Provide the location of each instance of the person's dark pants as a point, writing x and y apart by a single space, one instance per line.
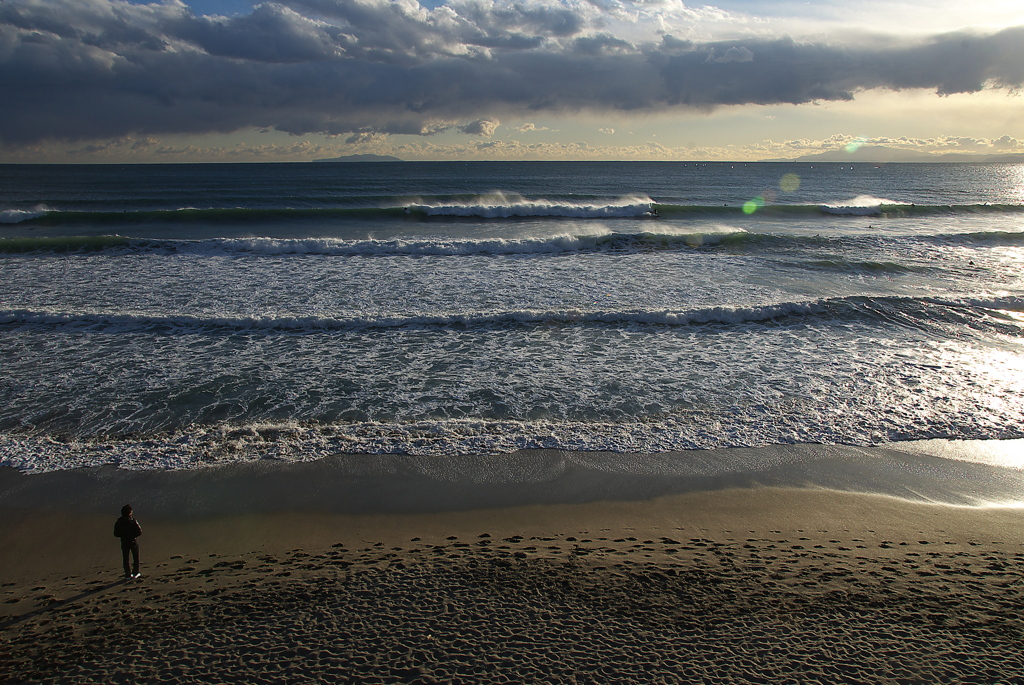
132 548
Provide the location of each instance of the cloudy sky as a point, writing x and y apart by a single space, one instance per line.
231 80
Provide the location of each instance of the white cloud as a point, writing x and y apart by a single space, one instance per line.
481 127
925 146
278 147
530 128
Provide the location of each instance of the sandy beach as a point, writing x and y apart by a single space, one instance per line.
735 585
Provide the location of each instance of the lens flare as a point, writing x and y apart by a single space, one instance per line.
790 183
751 206
855 145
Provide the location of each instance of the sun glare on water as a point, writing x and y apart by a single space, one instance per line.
1017 179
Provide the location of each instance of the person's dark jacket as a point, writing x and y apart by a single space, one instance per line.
128 529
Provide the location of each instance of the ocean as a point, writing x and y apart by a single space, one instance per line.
178 316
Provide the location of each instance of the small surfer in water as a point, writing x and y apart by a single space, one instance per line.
129 530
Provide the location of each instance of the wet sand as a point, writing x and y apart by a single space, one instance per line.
741 585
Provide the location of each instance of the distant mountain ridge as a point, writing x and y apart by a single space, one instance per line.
360 158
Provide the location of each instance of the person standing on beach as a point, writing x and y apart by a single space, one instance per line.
129 530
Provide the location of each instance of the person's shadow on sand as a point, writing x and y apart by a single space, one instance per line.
14 620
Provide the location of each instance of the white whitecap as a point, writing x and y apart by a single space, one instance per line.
862 205
16 216
505 206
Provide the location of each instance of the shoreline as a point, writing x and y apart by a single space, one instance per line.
736 584
959 472
237 508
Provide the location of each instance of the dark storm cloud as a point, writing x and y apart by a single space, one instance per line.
85 69
270 34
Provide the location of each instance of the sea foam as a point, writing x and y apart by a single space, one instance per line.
720 315
915 312
506 206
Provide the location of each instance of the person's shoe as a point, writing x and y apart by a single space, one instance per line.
136 575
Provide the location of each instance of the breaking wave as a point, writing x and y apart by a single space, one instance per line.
500 207
730 237
912 312
16 216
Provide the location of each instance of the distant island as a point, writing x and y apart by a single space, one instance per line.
361 158
871 154
881 154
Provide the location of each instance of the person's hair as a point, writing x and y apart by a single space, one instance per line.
126 510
